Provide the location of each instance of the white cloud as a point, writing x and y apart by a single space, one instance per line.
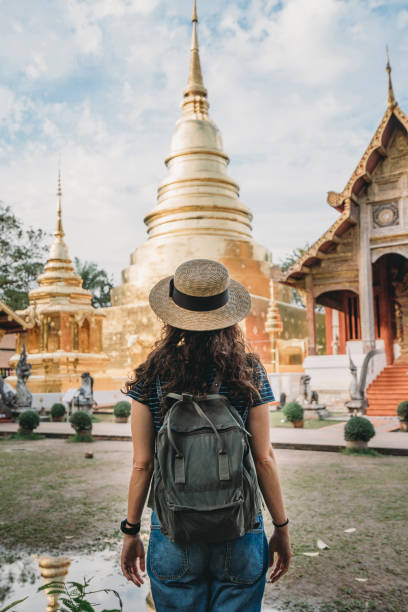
6 102
297 90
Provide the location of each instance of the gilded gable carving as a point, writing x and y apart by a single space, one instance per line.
396 160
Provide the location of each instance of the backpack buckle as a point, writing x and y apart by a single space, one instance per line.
187 398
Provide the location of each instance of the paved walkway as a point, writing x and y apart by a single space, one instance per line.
328 438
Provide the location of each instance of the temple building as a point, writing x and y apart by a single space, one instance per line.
358 270
198 214
11 324
63 334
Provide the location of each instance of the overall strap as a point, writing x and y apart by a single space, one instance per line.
216 384
159 390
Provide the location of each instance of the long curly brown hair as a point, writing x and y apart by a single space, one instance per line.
184 359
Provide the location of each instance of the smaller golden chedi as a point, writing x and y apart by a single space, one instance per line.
64 338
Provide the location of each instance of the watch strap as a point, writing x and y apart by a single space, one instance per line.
129 528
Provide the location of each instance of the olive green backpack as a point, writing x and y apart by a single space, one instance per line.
204 487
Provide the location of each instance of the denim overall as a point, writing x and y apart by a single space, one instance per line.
223 577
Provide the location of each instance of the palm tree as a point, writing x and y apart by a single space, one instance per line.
96 280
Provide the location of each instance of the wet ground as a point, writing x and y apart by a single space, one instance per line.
22 578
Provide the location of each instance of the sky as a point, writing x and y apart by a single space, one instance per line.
297 88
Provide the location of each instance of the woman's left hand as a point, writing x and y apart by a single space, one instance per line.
279 544
133 559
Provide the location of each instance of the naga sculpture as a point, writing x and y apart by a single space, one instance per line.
24 399
13 402
357 404
7 399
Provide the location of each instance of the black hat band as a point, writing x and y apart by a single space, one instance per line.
195 302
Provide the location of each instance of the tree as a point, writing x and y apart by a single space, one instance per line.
293 256
96 280
22 257
287 262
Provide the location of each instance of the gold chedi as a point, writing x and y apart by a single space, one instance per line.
65 335
53 569
198 214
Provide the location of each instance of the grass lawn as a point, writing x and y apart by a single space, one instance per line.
54 500
278 416
103 418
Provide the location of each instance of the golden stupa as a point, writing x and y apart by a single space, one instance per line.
198 214
65 332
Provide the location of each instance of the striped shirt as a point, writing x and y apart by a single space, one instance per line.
153 396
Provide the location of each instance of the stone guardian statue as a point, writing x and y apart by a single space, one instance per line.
24 399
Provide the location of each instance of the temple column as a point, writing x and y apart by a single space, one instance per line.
403 307
366 284
328 319
310 316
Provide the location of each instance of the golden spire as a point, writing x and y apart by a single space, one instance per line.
391 98
195 85
59 232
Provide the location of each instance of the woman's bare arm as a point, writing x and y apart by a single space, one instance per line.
265 463
143 453
268 478
133 554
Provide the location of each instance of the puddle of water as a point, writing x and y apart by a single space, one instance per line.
23 578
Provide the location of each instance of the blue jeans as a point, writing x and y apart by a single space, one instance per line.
223 577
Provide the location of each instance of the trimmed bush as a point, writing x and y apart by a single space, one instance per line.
293 412
81 421
121 409
402 411
29 420
359 428
58 410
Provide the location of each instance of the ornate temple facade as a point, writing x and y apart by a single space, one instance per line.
358 270
198 214
63 331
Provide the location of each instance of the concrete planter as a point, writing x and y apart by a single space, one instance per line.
298 423
403 425
24 431
84 432
57 419
121 419
356 444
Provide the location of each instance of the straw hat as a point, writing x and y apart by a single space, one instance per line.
200 296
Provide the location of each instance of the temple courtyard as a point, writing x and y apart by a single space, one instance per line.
56 501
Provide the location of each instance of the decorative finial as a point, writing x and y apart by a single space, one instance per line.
195 85
391 98
59 232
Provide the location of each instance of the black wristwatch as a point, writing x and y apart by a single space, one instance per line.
129 528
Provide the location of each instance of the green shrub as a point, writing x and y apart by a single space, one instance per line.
293 412
358 428
58 410
402 411
121 409
81 421
29 420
